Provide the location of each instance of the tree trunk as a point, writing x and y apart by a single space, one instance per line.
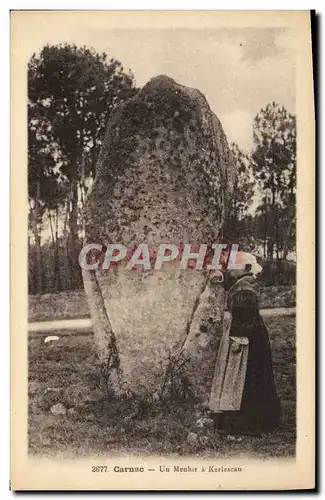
82 191
56 254
265 234
292 202
265 229
36 223
273 218
53 287
73 225
277 235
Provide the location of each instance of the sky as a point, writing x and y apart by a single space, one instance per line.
239 70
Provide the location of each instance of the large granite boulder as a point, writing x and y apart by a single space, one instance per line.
164 175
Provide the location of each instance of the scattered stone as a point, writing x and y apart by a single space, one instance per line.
51 338
72 411
58 409
192 438
51 397
204 422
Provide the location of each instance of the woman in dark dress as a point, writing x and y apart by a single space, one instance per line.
245 350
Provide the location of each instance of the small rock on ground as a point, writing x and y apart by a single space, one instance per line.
58 409
204 422
51 396
51 338
192 438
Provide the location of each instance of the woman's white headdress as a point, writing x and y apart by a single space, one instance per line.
248 261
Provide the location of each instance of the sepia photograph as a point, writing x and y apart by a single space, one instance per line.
160 211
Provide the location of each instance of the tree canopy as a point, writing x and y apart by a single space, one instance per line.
71 92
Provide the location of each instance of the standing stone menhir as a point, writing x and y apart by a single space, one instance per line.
164 175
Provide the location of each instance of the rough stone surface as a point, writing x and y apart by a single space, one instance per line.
163 172
163 176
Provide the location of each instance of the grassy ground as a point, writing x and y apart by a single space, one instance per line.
94 425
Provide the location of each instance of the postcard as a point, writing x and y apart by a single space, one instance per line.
162 229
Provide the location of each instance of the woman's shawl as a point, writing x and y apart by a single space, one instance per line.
246 284
231 365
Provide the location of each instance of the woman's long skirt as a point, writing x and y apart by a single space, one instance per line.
249 403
